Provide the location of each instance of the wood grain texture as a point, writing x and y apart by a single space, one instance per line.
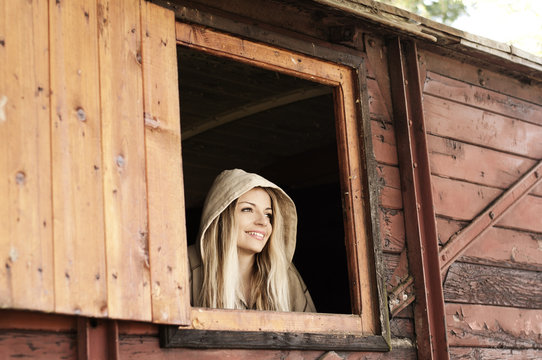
26 243
79 245
481 127
498 246
479 97
146 347
170 292
489 285
463 201
37 345
479 76
125 193
493 326
477 353
384 146
456 160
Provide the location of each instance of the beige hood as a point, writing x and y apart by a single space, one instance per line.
230 185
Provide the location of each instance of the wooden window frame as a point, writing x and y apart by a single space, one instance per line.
367 329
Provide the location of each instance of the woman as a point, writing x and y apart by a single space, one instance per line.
242 258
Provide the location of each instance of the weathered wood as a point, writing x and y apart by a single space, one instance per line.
384 146
392 226
146 347
456 160
463 201
479 97
213 339
498 247
227 320
390 194
479 75
170 292
79 246
493 326
271 58
28 320
477 353
377 104
481 127
97 339
377 57
125 192
37 345
26 238
488 285
419 210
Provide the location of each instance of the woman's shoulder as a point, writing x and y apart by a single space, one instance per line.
299 293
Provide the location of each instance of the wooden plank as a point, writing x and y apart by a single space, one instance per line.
457 160
498 246
37 345
481 127
463 201
493 326
29 320
26 239
392 227
481 98
225 320
489 285
461 353
79 246
384 146
390 191
377 105
270 57
470 73
125 196
170 292
213 339
146 347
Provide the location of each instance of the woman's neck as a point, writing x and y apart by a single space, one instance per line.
246 270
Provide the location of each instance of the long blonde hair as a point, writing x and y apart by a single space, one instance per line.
221 286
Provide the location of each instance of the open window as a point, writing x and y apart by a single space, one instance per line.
295 120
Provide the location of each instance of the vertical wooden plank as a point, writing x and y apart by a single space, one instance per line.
80 284
26 271
125 194
167 233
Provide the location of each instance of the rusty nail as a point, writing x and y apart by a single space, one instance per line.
410 123
536 174
415 165
492 215
138 58
81 115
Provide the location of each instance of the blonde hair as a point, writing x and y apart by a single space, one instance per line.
221 286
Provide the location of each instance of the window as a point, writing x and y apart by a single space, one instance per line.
295 120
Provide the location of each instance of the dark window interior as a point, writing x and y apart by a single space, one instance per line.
234 115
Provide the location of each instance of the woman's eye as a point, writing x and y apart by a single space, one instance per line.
247 209
270 216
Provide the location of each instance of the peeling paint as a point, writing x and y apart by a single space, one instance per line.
3 102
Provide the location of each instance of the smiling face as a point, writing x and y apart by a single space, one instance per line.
253 215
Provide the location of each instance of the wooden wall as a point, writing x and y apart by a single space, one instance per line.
484 132
83 181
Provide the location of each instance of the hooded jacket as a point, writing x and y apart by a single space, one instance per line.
227 187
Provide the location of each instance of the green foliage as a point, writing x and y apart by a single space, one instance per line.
444 11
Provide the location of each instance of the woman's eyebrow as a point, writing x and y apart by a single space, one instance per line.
247 202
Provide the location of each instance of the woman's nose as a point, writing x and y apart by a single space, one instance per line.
261 219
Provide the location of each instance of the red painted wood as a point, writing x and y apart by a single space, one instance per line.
468 124
469 353
493 326
457 160
479 97
392 227
384 146
38 345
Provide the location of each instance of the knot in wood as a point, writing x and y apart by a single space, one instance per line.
81 115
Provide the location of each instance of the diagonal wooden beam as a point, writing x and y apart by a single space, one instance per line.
460 241
255 107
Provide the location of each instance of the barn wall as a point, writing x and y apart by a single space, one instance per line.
484 131
84 215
